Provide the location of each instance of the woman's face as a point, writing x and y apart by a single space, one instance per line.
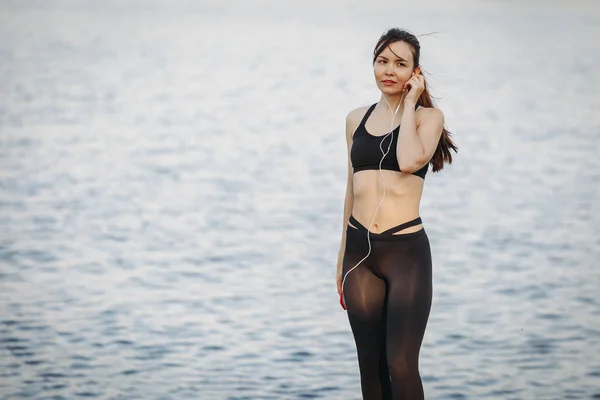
393 67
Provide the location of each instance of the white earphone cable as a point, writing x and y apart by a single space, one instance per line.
384 187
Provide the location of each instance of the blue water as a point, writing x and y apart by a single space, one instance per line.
171 191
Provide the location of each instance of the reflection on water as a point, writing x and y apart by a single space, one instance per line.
172 189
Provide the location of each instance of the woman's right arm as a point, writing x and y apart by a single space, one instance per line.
349 198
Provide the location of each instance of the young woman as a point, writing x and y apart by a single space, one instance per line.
384 268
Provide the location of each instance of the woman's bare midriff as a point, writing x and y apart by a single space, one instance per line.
401 203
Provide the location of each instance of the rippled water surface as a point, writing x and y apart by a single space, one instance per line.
171 190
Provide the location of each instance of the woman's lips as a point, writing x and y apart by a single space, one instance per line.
388 83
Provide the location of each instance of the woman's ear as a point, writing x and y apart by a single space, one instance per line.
418 70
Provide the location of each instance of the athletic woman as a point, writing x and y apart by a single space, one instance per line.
384 267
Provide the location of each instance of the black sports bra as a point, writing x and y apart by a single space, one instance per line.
365 152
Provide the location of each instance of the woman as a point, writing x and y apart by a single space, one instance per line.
384 272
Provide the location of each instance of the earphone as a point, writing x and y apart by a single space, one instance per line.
342 299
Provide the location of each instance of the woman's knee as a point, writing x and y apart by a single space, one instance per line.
403 368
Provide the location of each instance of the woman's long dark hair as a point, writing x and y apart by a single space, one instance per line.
442 153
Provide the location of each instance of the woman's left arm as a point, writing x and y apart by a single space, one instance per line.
418 137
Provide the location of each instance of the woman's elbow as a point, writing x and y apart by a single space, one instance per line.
411 166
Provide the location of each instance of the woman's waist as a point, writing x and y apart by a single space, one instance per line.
356 231
391 207
387 215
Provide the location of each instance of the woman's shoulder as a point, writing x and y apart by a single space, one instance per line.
355 115
353 119
429 110
429 113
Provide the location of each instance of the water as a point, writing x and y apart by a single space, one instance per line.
172 182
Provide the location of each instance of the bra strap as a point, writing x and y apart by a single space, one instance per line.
367 114
370 110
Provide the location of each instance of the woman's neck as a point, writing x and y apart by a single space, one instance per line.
392 104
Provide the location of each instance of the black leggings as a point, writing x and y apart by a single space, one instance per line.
388 298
